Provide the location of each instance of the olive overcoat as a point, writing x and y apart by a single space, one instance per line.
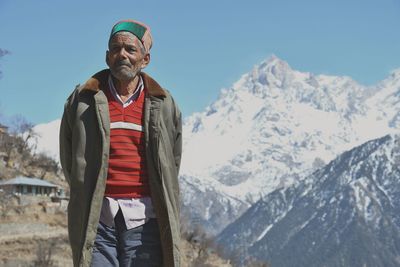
84 151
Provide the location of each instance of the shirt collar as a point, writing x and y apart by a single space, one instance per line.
134 96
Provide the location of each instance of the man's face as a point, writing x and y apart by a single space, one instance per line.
126 56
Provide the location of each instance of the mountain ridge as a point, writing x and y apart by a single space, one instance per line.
269 130
327 219
275 123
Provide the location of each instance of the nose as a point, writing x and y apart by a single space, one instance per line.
122 53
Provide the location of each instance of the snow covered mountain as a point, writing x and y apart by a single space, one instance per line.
345 214
270 129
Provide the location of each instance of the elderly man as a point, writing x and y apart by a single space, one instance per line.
120 149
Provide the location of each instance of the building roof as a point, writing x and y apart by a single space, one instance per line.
28 181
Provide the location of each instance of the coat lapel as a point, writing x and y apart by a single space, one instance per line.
99 82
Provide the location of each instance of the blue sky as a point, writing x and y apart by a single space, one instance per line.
199 46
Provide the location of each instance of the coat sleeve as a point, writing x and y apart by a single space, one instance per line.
177 149
66 141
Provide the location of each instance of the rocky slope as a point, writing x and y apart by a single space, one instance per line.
345 214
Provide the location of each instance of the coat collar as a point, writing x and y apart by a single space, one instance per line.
98 82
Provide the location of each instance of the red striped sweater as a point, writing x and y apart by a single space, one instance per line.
127 173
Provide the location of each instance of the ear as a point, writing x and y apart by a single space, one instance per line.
146 60
107 60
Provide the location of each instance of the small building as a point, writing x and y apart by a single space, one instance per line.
3 129
29 186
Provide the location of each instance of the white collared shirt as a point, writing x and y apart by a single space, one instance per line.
132 98
136 211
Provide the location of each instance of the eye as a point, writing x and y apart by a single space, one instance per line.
131 50
115 49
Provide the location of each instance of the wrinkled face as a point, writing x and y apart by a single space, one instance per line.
126 56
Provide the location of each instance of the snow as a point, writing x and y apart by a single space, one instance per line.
268 130
261 236
48 138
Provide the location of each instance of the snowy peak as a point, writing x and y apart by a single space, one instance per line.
275 80
395 75
275 126
273 68
392 82
384 102
273 72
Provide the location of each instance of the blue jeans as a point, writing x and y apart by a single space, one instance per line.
119 247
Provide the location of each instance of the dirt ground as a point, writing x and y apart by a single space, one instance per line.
36 236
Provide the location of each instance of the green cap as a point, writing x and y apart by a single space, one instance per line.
140 30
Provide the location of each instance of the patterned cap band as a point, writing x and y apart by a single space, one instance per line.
140 30
131 27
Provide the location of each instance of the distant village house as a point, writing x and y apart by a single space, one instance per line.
3 129
29 186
